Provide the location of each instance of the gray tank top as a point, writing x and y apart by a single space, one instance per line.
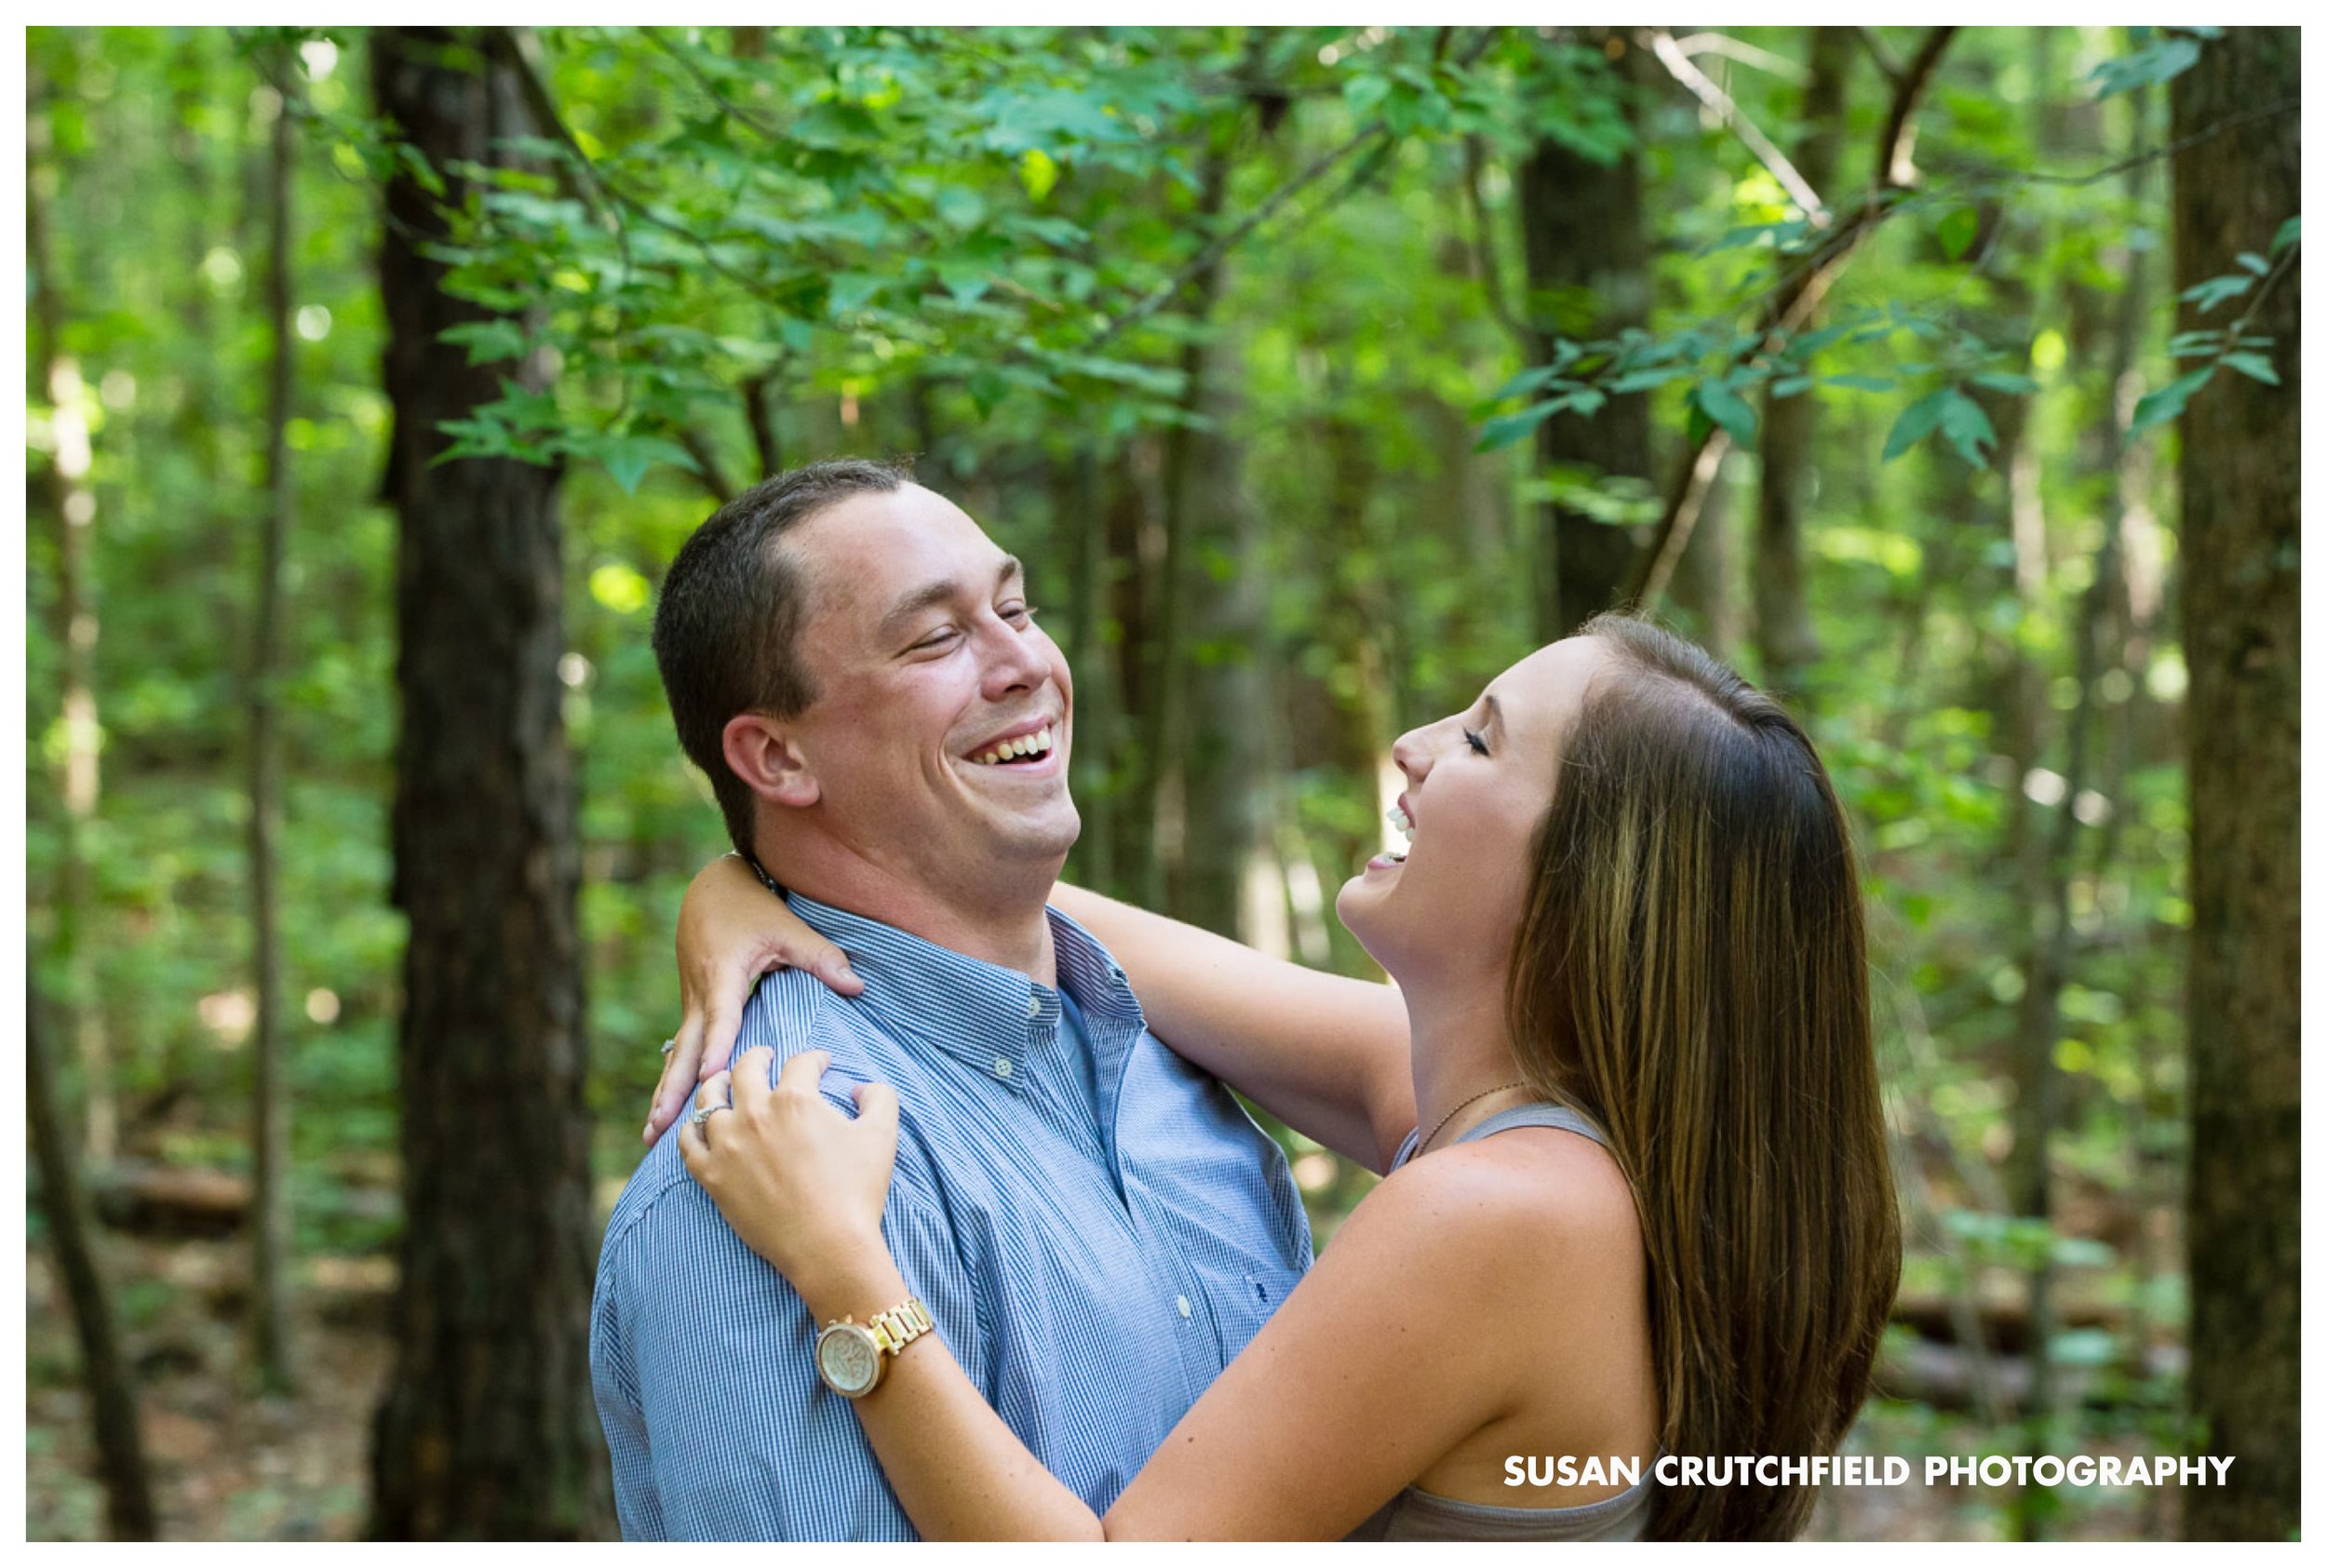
1416 1515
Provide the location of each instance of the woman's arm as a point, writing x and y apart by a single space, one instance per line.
1322 1054
1380 1362
1325 1055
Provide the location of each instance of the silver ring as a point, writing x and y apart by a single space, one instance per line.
704 1113
669 1046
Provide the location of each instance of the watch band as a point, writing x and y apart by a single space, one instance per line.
899 1326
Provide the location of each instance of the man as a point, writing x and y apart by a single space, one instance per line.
1093 1226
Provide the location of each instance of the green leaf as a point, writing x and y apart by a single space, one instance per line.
1792 386
960 207
2253 366
1918 420
1864 383
2213 291
2159 60
2290 233
628 458
1505 429
965 281
496 338
2168 401
1957 230
1363 94
1038 172
851 291
1964 423
1726 408
2254 264
1641 380
1526 383
2005 381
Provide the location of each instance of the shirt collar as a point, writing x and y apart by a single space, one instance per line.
983 1014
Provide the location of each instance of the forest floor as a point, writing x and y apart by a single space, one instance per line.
232 1463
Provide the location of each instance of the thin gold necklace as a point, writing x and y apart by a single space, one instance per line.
1473 1099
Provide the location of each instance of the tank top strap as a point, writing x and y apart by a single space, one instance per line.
1535 1113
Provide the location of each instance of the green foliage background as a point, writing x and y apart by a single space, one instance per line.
966 245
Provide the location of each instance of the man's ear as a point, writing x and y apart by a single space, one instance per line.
763 753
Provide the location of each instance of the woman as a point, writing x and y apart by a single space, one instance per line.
1644 1206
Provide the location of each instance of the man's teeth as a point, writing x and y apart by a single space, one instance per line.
1025 745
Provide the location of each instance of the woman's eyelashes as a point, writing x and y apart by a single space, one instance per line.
1478 741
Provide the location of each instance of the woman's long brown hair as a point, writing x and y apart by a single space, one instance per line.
1690 972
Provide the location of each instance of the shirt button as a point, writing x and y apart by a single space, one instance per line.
1185 1309
1001 1066
1033 1005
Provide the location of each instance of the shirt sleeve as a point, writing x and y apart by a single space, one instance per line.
717 1423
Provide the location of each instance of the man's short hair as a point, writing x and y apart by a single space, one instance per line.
727 626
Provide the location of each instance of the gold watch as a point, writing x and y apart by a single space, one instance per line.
852 1356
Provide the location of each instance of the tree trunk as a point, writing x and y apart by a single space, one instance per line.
1165 740
1079 499
72 1237
74 501
1587 254
487 1430
1782 629
2241 445
1218 765
270 1130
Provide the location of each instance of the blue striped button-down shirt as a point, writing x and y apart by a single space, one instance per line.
1093 1275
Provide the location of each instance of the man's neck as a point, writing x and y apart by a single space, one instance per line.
1003 924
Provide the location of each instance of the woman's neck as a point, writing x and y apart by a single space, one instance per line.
1461 1053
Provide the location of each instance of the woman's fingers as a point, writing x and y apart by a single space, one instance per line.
877 1105
695 1138
749 1082
680 1067
830 965
715 1034
804 1072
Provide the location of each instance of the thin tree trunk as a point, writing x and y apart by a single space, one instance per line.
1782 629
1219 763
270 1126
1081 500
1586 241
73 1241
2241 445
1169 673
74 502
487 1430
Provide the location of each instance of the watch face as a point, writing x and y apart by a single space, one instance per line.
848 1358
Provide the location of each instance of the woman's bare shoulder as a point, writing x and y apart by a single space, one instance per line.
1520 1210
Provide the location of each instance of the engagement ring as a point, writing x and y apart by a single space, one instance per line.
669 1046
705 1113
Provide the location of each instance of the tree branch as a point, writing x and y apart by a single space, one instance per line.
2170 149
1743 53
707 470
1488 260
1725 109
1896 167
1880 52
759 419
1793 303
1209 256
